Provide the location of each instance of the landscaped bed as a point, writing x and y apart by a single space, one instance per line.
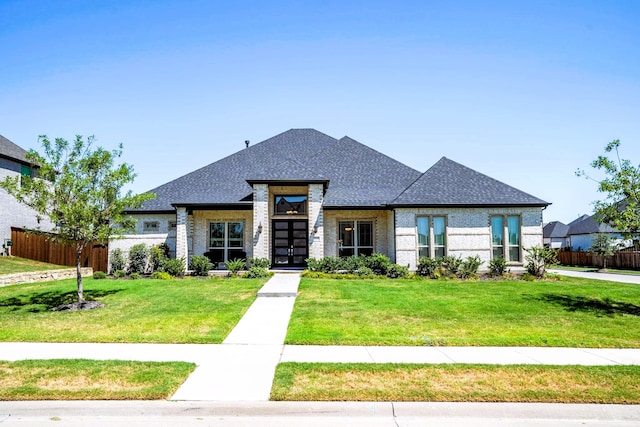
190 310
565 312
456 383
78 379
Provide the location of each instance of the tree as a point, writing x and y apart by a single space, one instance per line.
621 208
604 245
79 190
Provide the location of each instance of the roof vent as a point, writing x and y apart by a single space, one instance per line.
246 143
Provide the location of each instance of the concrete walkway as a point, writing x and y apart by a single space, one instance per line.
613 277
242 367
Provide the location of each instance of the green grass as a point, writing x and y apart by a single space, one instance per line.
10 265
90 379
456 383
189 310
569 312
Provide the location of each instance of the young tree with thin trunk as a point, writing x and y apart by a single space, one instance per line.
621 208
79 189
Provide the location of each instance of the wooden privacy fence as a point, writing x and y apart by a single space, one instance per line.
629 260
41 247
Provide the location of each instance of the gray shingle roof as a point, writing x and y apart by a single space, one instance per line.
356 175
448 183
588 225
12 151
555 229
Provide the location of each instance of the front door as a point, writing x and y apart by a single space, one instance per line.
290 243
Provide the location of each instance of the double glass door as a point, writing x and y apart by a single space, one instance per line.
290 243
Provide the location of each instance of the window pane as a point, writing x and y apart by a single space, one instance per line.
423 232
291 205
497 231
346 233
498 252
365 251
216 234
513 226
235 234
365 233
438 230
345 252
439 251
514 253
423 251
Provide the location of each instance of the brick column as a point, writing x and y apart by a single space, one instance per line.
182 250
261 221
316 219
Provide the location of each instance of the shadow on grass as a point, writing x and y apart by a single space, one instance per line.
599 307
46 301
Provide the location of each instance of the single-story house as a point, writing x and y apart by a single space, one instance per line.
13 163
555 235
582 230
303 194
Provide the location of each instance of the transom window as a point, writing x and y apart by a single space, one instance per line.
501 226
355 238
432 242
226 241
151 226
290 205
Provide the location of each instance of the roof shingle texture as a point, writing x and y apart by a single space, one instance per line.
11 150
452 184
357 176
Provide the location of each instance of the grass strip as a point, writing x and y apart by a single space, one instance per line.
189 310
9 265
456 383
79 379
567 312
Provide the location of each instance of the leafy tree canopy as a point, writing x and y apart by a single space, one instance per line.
621 207
79 189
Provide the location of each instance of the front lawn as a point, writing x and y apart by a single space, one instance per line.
569 312
13 264
456 383
190 310
79 379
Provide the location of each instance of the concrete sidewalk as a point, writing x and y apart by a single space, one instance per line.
613 277
242 367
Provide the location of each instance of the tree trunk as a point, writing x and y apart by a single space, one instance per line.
79 271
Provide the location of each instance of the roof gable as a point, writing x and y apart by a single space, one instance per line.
555 229
448 183
12 151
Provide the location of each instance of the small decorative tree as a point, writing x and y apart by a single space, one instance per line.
604 245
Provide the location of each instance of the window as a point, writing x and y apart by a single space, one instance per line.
432 242
291 205
355 238
25 171
173 225
150 226
508 249
226 241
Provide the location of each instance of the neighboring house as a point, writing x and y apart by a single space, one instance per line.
555 235
583 229
303 194
12 213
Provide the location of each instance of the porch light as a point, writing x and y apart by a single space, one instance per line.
260 228
315 229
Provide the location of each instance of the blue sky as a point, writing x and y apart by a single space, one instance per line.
525 92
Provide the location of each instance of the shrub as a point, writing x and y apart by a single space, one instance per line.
119 274
134 276
157 255
99 275
117 260
260 262
174 266
379 263
538 258
313 264
256 272
138 258
235 265
428 267
497 267
450 265
200 265
395 271
469 267
161 275
330 264
365 273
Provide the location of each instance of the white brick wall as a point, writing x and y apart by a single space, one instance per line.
202 219
316 220
261 218
468 231
380 220
15 214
